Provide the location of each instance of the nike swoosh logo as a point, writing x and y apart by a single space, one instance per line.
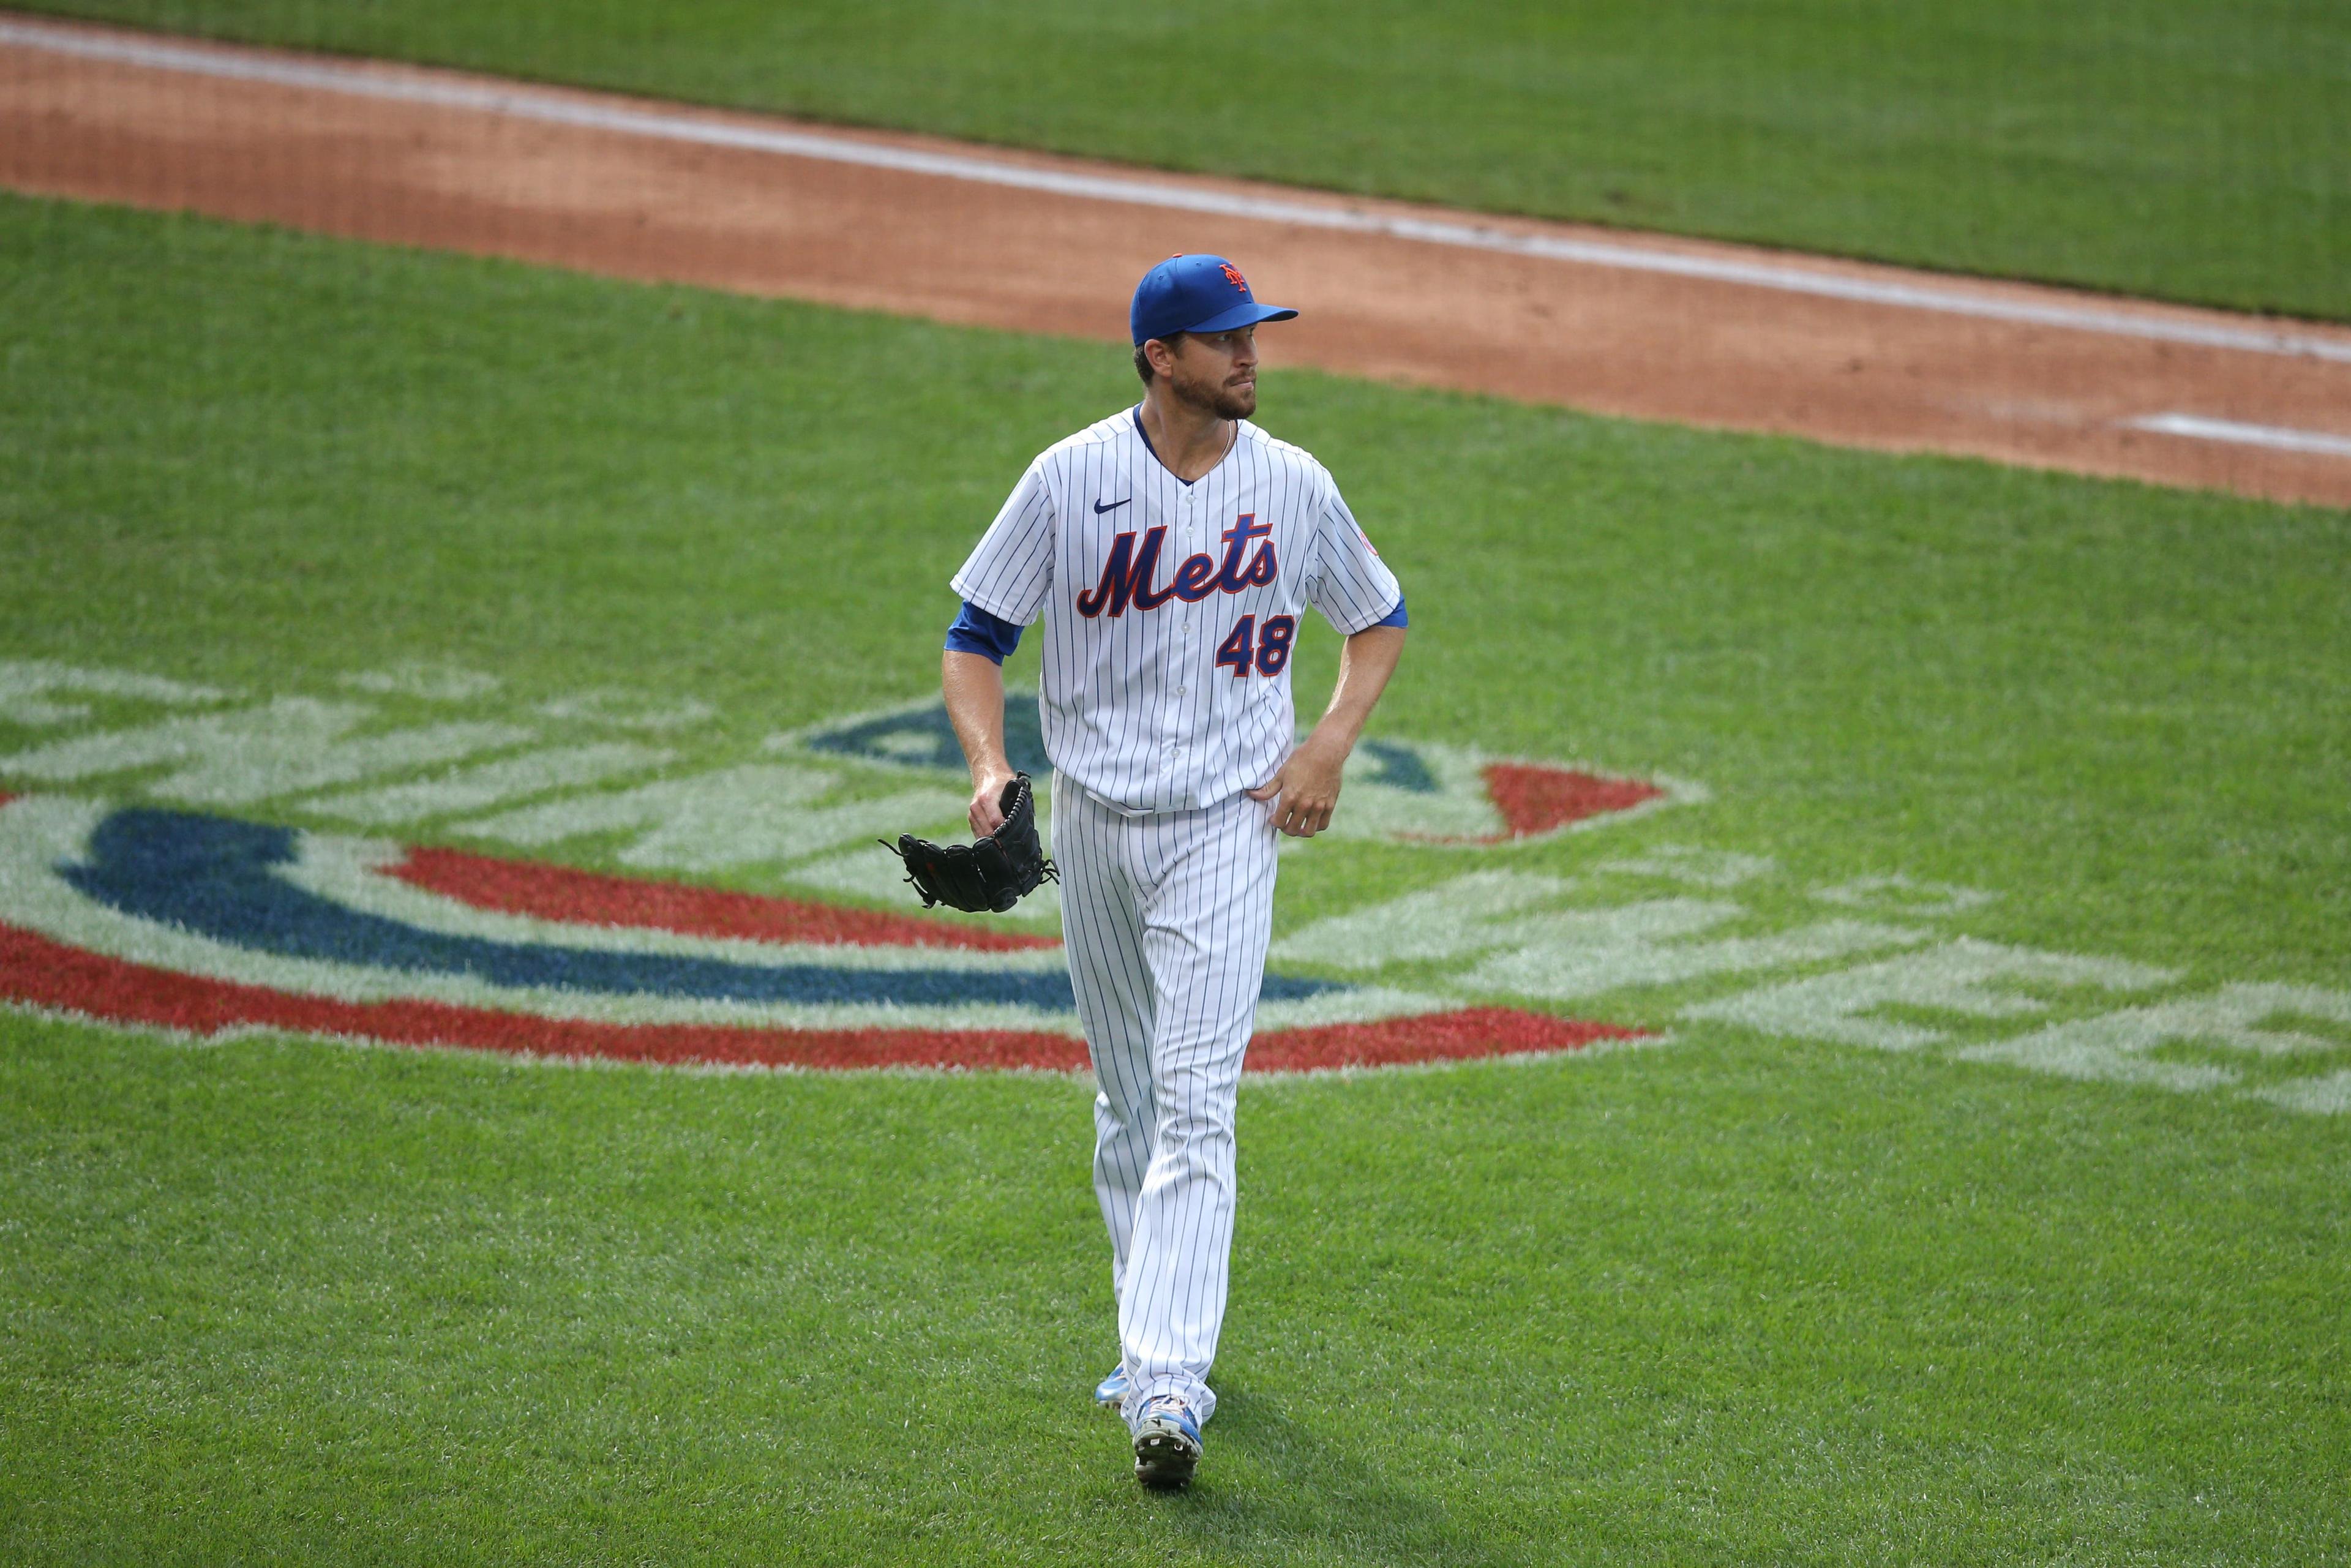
1114 506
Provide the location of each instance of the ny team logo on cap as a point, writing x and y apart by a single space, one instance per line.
1197 294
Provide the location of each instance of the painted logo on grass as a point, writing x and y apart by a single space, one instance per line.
209 924
182 856
164 906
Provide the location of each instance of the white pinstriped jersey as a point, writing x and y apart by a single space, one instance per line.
1169 609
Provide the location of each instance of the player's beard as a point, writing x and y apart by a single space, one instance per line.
1224 401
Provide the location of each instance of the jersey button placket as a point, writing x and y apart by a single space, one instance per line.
1191 547
1188 531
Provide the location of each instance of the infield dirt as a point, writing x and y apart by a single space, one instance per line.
381 153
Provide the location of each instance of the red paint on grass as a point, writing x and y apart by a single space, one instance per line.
1536 799
44 973
561 893
1426 1037
36 970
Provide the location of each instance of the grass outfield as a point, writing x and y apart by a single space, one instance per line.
2160 147
1734 1297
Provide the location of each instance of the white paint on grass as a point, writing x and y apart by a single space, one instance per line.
2327 1094
291 745
26 686
870 871
490 784
545 106
2119 1047
2276 437
1966 976
1980 979
1367 1004
1899 895
1455 919
629 710
1560 954
1695 865
1588 952
433 683
756 814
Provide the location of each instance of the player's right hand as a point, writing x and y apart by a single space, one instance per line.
987 811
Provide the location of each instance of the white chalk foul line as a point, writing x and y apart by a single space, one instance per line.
521 102
2279 437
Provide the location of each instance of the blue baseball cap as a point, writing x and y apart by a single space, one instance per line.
1195 294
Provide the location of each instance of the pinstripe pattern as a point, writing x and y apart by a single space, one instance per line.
1167 867
1166 918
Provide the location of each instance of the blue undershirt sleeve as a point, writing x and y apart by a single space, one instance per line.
991 636
1395 617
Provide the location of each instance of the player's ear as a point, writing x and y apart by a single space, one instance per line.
1161 353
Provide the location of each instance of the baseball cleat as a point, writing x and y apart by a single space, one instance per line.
1111 1391
1166 1444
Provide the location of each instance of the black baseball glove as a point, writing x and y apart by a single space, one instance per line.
994 873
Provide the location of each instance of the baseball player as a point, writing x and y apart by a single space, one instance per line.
1169 550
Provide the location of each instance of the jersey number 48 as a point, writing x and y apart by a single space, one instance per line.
1267 651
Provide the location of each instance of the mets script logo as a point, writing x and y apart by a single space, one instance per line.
1127 570
178 857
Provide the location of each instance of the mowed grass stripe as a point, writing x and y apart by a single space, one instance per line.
1724 1301
2154 147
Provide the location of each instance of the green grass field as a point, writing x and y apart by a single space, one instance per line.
2164 147
1731 1299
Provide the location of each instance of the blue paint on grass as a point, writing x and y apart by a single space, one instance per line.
215 876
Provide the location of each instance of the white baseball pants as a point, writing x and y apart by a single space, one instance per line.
1166 919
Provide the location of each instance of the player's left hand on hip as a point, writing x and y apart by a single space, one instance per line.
1304 792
